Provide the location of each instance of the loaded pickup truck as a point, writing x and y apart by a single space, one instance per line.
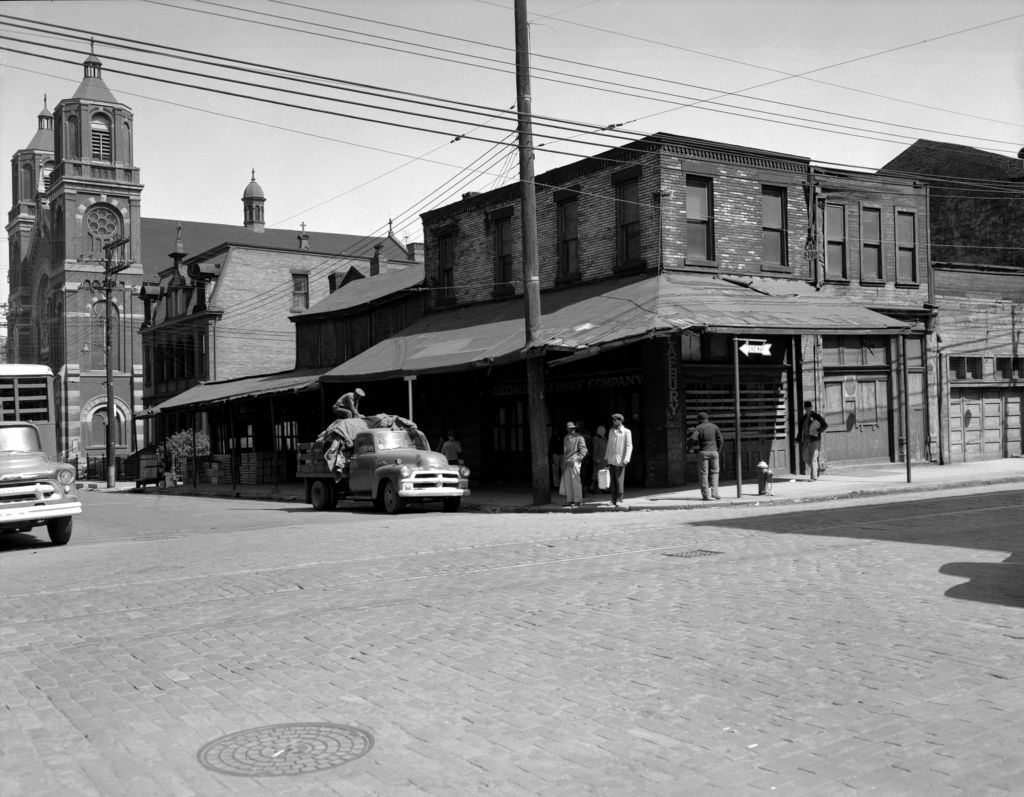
390 466
35 490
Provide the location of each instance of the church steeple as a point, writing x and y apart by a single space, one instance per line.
252 204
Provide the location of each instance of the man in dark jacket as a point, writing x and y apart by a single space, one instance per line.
706 441
810 430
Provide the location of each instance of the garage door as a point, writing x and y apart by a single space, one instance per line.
984 423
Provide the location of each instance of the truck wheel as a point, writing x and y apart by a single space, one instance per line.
59 529
451 504
322 495
392 501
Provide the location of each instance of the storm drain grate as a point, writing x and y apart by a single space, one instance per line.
293 749
692 554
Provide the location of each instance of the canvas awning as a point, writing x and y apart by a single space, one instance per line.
203 395
592 317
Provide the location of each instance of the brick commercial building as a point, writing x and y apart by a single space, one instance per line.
976 211
673 271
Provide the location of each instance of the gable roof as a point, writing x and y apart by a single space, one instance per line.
159 235
925 158
366 290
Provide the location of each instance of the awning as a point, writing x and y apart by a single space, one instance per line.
598 315
208 393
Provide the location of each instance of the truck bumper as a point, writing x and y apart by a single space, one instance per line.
406 490
37 513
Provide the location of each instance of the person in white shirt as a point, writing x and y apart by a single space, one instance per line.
617 453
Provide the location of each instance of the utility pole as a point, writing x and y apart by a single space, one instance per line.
536 408
109 271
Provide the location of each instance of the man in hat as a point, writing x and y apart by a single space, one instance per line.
706 440
574 451
348 405
617 453
809 433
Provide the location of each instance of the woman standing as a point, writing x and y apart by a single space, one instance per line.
600 446
574 449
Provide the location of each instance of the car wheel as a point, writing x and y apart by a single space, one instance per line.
451 504
392 501
59 529
322 495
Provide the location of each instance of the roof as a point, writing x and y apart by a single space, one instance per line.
589 318
926 158
364 291
208 393
158 237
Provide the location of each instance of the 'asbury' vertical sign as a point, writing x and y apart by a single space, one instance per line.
672 377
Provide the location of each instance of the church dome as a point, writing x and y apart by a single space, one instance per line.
253 190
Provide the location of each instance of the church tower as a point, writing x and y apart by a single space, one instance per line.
76 191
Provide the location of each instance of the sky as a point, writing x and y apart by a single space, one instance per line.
423 115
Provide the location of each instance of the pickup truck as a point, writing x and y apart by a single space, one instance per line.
34 489
389 466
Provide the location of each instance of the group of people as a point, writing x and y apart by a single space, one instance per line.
577 460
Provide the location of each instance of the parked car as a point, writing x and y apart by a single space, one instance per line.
389 466
35 490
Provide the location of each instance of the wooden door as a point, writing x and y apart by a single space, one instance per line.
858 415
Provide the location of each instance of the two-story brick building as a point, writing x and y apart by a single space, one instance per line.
658 260
976 211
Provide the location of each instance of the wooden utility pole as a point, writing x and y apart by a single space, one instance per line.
108 287
536 407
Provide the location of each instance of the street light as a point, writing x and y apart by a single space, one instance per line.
108 286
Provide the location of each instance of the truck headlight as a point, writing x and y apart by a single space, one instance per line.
406 471
65 475
463 471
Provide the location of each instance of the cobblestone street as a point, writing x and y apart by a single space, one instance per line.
853 647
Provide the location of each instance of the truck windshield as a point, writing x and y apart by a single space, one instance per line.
401 438
19 438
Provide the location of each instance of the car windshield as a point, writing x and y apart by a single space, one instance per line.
401 438
19 438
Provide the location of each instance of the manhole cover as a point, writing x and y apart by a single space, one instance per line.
292 749
694 553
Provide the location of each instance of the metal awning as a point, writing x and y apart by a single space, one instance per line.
209 393
593 317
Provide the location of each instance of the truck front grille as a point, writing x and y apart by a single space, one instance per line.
427 479
29 492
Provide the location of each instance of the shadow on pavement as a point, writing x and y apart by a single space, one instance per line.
931 521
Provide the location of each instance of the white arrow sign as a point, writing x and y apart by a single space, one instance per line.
749 348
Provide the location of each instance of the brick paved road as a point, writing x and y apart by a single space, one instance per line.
849 648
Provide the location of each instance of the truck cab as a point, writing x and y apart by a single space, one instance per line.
35 490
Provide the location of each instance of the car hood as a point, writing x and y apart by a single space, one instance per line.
23 464
416 458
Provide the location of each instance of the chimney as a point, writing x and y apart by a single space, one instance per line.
470 194
375 260
414 251
1017 169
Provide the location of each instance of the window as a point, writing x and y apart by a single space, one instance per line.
871 245
502 221
835 242
300 292
101 150
286 435
906 247
773 226
965 367
446 266
1010 367
568 238
700 227
74 138
627 223
333 281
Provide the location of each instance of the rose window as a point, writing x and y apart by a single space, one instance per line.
103 224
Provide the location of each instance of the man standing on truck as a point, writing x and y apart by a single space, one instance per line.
348 405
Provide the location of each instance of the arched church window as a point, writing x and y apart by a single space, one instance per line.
98 338
98 429
102 225
28 188
46 176
101 146
74 138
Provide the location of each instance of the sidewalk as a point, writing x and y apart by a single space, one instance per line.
838 482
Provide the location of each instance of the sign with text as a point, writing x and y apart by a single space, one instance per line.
762 347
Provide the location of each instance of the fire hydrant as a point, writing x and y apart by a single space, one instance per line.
765 479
